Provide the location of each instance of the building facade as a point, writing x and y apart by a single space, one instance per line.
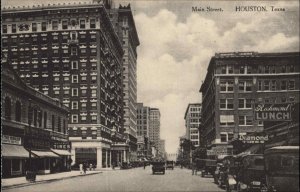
124 24
154 127
235 83
143 121
31 121
73 53
192 119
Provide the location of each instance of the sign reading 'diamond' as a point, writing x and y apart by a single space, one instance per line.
273 112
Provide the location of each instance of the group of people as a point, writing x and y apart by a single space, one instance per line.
83 167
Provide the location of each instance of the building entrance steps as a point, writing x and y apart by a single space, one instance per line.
9 183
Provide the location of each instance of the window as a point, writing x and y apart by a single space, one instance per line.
242 69
273 85
7 108
266 85
66 78
64 24
230 136
18 111
292 68
53 122
73 35
94 93
83 106
223 137
245 120
83 51
4 28
74 51
74 78
83 92
82 24
13 28
66 92
74 105
74 92
226 86
45 120
229 69
93 51
260 85
226 120
83 79
44 26
74 65
56 78
226 103
291 85
94 105
54 25
283 69
92 23
74 118
267 69
283 85
248 69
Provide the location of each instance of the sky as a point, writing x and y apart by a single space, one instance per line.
177 44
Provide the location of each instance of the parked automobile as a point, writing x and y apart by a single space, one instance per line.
158 167
207 166
125 165
282 168
170 165
251 174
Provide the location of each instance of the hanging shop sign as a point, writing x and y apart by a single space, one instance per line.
273 112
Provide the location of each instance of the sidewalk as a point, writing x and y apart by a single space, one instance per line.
21 181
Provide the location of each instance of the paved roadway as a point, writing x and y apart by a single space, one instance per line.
136 179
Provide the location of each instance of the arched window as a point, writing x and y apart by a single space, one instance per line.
53 122
18 111
7 108
45 120
59 124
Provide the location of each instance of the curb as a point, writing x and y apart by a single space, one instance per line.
44 181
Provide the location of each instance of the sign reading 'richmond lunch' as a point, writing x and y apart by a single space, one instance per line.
273 112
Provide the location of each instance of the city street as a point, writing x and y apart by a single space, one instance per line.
136 179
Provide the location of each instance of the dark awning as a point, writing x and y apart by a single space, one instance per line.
61 152
254 149
44 154
14 151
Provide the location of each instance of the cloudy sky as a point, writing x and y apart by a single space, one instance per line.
177 44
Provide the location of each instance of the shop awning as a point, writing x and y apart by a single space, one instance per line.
14 151
44 154
61 152
255 149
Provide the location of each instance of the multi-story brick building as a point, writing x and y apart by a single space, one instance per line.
192 119
73 53
143 121
124 24
235 82
154 127
33 121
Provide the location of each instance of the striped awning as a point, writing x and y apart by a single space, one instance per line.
61 152
45 154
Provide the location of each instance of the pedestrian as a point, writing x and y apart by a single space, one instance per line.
80 168
84 167
144 164
194 168
91 166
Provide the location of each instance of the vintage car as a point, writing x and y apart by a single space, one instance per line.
228 171
158 167
282 168
250 174
207 166
170 165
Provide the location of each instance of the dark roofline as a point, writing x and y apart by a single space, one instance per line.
186 111
231 55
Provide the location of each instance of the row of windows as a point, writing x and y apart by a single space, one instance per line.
36 116
247 85
228 120
229 103
246 69
44 26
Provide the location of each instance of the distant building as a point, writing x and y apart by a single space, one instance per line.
192 119
154 126
162 146
234 83
31 120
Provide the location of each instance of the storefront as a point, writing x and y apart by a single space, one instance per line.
45 162
13 160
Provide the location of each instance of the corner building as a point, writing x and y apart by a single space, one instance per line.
72 52
234 83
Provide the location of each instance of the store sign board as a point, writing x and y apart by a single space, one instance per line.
273 112
11 139
253 138
218 151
